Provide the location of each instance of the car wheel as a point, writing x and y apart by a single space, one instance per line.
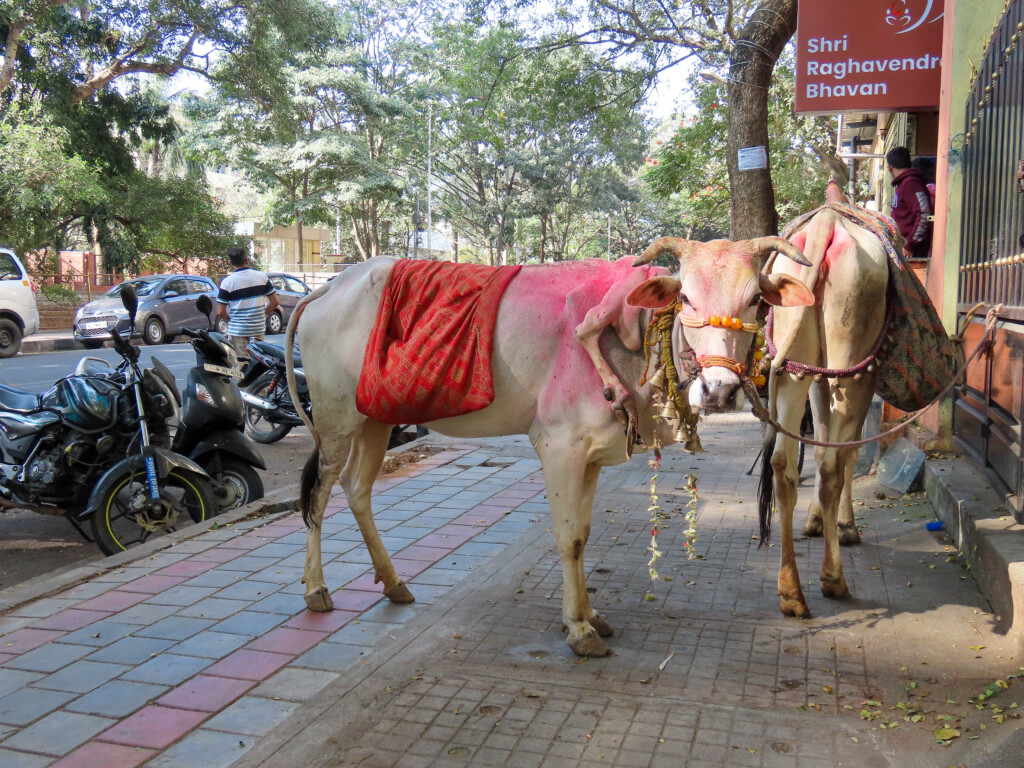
274 323
10 338
222 326
154 332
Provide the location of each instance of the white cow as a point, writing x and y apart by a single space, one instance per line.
850 277
567 346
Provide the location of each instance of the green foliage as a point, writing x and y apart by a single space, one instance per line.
687 167
60 293
41 183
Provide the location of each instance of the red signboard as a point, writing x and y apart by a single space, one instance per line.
868 56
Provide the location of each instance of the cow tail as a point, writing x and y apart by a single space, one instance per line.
766 487
311 471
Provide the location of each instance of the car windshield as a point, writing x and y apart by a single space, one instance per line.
142 287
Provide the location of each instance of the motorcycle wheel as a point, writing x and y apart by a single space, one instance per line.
241 481
257 426
116 526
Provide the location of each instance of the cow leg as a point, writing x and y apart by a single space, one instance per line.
360 471
587 334
848 533
590 477
571 483
849 408
819 399
333 453
788 397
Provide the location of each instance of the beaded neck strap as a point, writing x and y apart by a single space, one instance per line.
728 323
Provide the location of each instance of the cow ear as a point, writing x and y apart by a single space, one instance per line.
784 291
655 293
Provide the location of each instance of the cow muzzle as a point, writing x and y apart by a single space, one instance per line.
714 390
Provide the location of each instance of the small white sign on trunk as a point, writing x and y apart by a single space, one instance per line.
752 158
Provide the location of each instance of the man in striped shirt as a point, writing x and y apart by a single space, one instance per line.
246 298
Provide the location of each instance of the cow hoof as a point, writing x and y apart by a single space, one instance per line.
792 607
604 629
399 594
813 527
319 600
588 644
848 534
835 588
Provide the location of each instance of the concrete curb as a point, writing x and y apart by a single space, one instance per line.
268 508
989 540
33 345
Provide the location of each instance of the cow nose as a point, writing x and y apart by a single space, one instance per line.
714 393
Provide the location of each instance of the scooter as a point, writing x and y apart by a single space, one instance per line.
270 412
210 430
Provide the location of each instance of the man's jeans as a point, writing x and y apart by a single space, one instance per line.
239 343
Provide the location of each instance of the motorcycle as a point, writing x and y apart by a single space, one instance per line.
94 448
270 412
210 430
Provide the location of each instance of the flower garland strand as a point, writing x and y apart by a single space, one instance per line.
691 516
655 510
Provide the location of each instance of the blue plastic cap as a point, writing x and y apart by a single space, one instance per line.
935 525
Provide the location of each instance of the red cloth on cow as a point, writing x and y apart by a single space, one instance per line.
429 354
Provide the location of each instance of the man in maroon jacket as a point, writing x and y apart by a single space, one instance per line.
911 206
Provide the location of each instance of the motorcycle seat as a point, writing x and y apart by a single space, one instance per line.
18 399
273 350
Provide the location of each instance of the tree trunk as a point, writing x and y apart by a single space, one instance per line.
543 235
751 62
455 246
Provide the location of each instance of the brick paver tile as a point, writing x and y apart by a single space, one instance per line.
430 554
293 684
50 657
250 623
250 665
113 601
118 698
218 554
27 638
154 727
287 640
132 650
58 733
186 568
252 716
151 584
97 754
176 628
211 644
10 758
352 598
82 676
323 622
29 704
204 749
72 619
167 669
205 693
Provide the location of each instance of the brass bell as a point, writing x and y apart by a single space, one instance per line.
668 412
693 445
658 379
682 435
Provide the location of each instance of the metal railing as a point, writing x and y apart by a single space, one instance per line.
989 409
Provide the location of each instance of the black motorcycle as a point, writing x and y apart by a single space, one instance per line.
210 430
94 447
270 412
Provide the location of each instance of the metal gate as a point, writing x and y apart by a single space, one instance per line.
989 410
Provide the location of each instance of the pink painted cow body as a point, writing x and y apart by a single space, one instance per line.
567 358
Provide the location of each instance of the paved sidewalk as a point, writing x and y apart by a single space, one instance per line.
202 654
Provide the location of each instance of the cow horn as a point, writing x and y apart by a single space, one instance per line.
675 246
762 246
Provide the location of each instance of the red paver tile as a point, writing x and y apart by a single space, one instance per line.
249 665
153 727
186 568
321 622
207 693
429 554
364 584
217 555
25 639
114 601
71 619
478 519
151 585
287 640
409 568
97 754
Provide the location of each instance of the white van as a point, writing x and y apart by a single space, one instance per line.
18 314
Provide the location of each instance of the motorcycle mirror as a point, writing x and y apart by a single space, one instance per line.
204 305
130 300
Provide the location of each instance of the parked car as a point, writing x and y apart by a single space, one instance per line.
167 303
18 314
289 290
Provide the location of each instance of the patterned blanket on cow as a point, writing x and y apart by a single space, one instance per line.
917 359
429 354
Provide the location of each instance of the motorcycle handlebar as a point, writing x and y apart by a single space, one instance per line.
124 347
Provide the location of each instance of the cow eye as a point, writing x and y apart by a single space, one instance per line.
756 300
684 300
